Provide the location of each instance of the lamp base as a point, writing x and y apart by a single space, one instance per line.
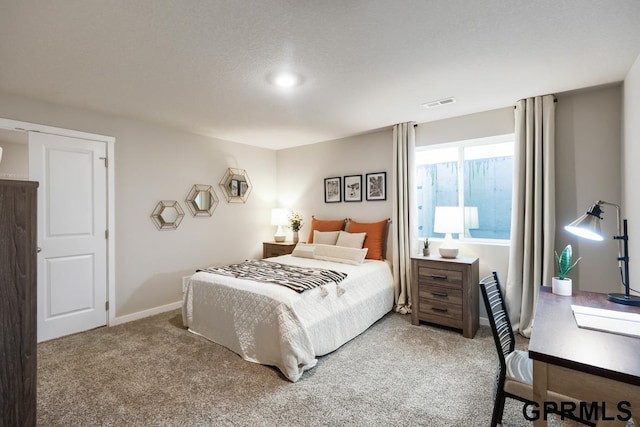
448 252
279 238
624 299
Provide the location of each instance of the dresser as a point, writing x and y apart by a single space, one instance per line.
444 291
18 303
271 249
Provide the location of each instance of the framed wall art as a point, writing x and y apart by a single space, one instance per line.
332 190
353 188
376 186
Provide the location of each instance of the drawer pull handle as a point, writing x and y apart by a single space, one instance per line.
437 276
442 310
440 294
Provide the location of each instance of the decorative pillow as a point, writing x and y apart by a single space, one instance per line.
325 225
325 237
351 240
303 250
376 234
341 254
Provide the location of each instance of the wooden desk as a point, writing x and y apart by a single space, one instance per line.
590 366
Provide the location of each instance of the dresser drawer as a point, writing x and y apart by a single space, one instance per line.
440 312
440 277
440 294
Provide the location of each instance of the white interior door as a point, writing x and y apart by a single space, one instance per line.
72 224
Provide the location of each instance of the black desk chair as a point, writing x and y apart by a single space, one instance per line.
515 377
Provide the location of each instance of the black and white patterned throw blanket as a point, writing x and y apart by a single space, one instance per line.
297 278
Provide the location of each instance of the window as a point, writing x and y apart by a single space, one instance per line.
476 175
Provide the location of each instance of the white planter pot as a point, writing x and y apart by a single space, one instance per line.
562 287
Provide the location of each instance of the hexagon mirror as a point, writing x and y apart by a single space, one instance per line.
202 200
167 215
235 185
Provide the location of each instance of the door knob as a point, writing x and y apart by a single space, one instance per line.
39 249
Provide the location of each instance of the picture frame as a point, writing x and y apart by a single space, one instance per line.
376 186
352 188
333 190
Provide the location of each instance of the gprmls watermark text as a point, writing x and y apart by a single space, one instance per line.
588 411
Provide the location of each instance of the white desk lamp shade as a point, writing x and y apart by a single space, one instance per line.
448 220
279 217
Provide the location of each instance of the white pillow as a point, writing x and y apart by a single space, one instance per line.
325 237
351 240
341 254
303 250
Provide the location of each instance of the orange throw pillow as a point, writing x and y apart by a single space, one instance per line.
325 225
376 234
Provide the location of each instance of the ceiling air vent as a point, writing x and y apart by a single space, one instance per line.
439 102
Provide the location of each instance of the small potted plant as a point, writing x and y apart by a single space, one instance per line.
561 284
425 248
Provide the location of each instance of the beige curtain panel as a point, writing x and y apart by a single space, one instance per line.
531 261
404 224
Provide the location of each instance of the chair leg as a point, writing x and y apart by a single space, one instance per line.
498 408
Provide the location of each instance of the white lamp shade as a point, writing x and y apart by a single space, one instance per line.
279 216
0 154
448 219
587 226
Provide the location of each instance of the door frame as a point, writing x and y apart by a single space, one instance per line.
111 225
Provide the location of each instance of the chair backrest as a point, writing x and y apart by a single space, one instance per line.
498 316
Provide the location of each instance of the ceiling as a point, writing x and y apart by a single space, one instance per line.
205 65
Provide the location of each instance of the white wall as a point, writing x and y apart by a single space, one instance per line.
15 156
153 163
302 170
631 154
588 161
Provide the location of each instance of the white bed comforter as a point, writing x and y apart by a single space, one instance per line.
273 325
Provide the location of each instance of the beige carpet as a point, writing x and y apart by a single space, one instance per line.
154 372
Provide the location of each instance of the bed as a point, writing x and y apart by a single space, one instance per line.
273 325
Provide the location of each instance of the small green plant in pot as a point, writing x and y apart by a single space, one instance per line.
562 285
425 248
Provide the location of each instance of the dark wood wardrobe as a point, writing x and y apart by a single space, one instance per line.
18 303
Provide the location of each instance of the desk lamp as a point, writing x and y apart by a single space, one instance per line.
448 219
279 218
588 226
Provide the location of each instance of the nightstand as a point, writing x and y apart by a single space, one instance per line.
271 249
444 291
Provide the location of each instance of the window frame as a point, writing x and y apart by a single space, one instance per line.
461 145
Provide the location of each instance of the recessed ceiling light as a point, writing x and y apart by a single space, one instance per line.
286 79
439 102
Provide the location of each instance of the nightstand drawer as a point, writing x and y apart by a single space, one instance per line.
436 312
271 249
440 277
277 251
439 294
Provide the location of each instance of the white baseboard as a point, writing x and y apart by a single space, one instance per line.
484 321
146 313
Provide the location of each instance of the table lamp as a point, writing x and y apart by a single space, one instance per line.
588 226
448 220
279 217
